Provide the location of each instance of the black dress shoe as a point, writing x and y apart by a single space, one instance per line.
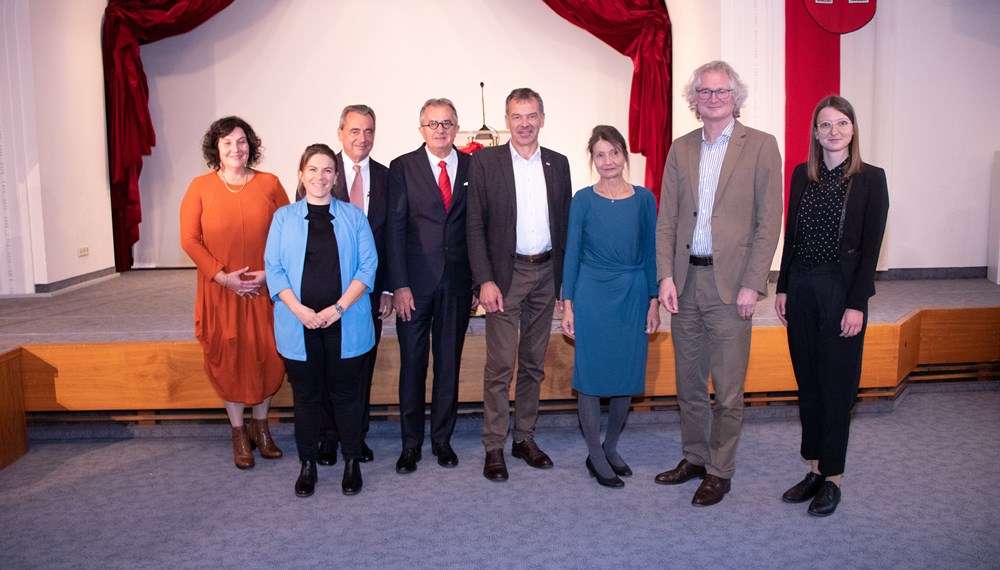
351 485
367 454
621 470
445 454
684 472
804 490
495 468
407 462
614 482
306 483
711 491
327 453
826 500
529 451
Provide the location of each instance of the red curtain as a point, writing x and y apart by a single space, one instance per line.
812 71
639 29
127 25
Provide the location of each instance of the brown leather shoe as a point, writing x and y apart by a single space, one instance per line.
684 472
495 468
242 455
711 491
260 438
529 451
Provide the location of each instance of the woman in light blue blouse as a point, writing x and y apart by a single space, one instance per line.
320 261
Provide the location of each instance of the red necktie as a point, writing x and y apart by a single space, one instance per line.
358 189
444 183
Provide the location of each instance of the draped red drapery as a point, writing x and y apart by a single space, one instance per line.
127 25
812 71
639 29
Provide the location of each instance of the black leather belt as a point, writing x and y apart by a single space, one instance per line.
536 258
701 260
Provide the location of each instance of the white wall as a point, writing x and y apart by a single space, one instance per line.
290 67
928 72
53 157
18 150
924 101
70 131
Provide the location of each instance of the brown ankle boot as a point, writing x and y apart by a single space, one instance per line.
242 455
260 437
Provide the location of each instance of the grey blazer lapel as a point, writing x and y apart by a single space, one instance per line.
340 188
551 187
737 140
693 166
506 169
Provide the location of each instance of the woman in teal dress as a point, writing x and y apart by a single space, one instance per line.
609 293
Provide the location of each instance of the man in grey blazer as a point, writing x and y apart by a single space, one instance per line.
519 196
720 216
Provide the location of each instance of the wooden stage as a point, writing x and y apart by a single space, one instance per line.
123 349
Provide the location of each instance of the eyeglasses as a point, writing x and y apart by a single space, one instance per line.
433 125
841 124
706 94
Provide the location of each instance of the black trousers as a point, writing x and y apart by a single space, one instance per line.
827 366
330 433
321 375
438 323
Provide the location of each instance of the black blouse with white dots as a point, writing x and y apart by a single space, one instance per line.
817 236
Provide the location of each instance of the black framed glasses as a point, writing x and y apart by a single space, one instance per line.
433 125
706 94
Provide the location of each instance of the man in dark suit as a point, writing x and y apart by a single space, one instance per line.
364 183
720 216
428 264
519 196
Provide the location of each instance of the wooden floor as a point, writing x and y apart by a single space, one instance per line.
145 376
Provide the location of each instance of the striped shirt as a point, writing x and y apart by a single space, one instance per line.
712 155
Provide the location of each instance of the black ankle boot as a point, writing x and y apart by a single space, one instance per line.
306 483
352 476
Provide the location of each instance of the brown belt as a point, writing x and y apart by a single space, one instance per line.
536 258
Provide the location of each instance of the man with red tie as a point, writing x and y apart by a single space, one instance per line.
428 272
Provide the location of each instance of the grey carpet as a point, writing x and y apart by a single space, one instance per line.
920 492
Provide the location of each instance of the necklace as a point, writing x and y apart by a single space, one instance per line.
246 178
608 194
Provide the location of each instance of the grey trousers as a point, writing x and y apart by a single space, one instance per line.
709 338
520 333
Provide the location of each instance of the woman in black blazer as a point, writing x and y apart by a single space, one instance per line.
837 210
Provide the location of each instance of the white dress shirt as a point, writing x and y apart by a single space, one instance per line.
533 235
452 166
709 167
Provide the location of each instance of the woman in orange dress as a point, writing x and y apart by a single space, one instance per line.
225 217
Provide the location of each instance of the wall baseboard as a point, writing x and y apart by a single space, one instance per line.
78 280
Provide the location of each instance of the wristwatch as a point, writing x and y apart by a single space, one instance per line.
339 308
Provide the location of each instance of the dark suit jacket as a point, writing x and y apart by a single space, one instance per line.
492 216
864 225
378 207
425 245
746 214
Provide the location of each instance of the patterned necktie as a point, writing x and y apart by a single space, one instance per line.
444 183
358 189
